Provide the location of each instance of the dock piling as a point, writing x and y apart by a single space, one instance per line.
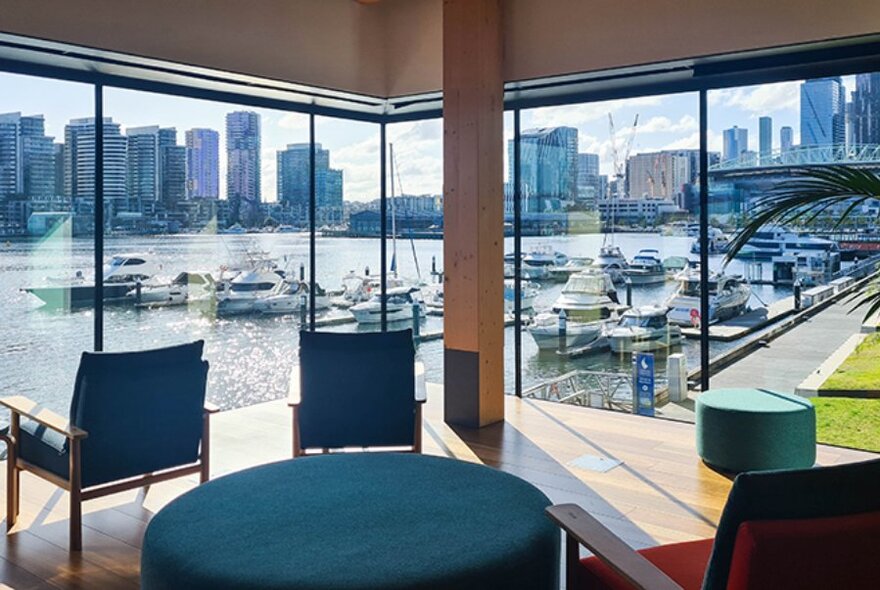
563 328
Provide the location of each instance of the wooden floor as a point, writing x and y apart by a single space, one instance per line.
660 493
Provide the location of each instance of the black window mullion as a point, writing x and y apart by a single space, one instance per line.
98 214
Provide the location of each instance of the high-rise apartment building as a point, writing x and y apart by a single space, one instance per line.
660 175
823 118
79 161
548 167
243 166
143 166
589 181
735 142
765 138
26 157
293 184
202 164
865 113
786 139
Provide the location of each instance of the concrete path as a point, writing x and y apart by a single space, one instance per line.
789 359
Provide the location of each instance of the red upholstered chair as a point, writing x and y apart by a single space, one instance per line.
806 529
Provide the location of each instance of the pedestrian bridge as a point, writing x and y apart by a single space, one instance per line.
862 156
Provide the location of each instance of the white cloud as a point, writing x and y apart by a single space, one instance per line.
294 122
759 100
666 125
581 114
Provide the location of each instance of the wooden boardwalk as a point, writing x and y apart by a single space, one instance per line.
660 493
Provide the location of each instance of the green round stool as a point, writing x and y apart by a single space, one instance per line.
755 429
355 521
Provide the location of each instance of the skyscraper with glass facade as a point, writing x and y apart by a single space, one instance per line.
865 119
202 164
786 138
765 137
548 167
735 141
243 166
823 118
293 184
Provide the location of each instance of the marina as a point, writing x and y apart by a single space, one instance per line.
246 336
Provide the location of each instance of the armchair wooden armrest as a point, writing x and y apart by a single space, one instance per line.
421 386
581 528
22 406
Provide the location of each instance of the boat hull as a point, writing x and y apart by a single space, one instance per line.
546 337
629 343
78 296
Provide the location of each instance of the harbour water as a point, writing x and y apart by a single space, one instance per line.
251 356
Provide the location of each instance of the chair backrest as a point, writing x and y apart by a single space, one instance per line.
356 389
143 410
762 504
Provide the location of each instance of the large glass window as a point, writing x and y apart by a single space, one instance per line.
347 221
205 236
816 140
415 231
46 235
610 206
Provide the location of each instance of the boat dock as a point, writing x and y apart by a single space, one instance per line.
747 323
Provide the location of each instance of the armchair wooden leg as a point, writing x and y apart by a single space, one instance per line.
417 433
12 482
75 496
296 447
205 473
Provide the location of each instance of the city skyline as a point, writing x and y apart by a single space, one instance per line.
666 122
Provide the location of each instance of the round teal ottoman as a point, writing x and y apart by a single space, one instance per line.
755 429
355 521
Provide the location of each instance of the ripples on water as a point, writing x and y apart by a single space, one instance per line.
250 357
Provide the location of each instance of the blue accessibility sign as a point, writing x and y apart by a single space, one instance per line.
643 381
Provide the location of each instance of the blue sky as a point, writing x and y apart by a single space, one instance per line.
665 122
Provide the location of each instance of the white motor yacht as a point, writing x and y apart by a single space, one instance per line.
544 255
646 268
359 288
644 329
289 296
120 275
728 297
612 261
575 264
529 291
247 288
186 287
589 301
719 242
399 306
588 296
774 241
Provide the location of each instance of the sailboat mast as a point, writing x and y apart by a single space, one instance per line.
393 214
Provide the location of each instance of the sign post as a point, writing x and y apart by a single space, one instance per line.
643 384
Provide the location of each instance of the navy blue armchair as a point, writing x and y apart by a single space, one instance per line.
357 390
136 418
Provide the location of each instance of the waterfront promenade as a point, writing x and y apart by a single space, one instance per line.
789 359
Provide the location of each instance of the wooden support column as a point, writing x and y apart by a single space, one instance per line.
473 209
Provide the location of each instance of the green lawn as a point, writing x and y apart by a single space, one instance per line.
848 422
861 370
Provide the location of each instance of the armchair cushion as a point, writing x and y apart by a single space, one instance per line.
685 563
837 490
44 448
357 390
807 554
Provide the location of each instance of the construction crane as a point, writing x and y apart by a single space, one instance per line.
620 164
